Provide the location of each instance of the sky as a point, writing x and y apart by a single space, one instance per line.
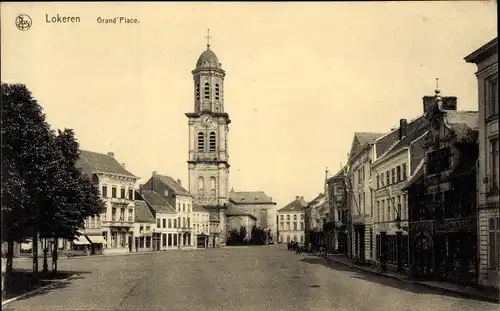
302 77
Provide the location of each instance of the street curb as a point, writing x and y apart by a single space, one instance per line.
435 288
4 302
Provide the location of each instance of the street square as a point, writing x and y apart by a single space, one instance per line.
239 278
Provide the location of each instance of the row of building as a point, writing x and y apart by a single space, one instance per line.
424 196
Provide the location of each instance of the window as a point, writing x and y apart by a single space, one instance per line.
398 174
378 211
197 91
175 239
158 223
122 193
212 187
405 208
301 226
287 217
216 91
130 214
393 175
301 216
179 222
104 191
131 194
175 223
491 97
389 218
294 217
494 242
164 223
201 141
169 239
113 192
183 207
122 214
378 182
206 91
294 225
170 223
493 183
164 239
301 239
387 178
201 186
399 206
404 171
212 141
282 226
282 217
438 161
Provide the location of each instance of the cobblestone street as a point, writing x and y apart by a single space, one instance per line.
245 278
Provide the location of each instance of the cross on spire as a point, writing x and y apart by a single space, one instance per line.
208 39
437 83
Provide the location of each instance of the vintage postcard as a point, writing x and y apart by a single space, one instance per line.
250 156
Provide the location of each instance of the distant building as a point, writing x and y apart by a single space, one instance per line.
238 217
315 217
144 224
166 234
338 210
180 200
201 225
291 221
112 231
486 59
259 205
360 196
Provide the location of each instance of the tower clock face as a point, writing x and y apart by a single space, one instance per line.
205 119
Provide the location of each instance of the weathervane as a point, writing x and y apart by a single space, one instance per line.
208 39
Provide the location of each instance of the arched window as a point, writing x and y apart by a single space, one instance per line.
201 141
197 91
201 185
206 91
212 187
213 141
217 92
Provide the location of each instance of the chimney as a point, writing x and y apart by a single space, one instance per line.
123 165
153 181
111 154
179 182
403 128
449 103
302 198
296 197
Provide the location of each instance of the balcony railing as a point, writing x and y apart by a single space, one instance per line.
120 201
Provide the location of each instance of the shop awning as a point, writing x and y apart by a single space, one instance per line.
97 239
81 240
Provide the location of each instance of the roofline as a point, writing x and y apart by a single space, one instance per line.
484 51
114 174
149 204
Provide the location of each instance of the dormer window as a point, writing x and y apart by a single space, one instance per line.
217 92
166 193
206 91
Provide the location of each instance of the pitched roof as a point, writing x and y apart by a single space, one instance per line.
198 208
250 197
360 140
465 124
316 199
91 162
484 51
414 130
157 202
296 205
419 172
143 213
234 210
172 184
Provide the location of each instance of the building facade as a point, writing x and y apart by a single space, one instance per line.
360 196
113 230
180 201
338 210
291 221
486 60
260 206
144 225
316 212
392 170
208 156
443 227
201 225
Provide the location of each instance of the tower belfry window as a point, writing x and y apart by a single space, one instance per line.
201 141
213 141
206 91
217 92
197 91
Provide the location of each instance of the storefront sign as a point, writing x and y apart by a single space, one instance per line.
424 225
457 225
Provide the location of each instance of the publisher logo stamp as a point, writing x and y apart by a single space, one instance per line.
23 22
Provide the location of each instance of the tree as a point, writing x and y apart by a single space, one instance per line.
258 236
243 235
26 167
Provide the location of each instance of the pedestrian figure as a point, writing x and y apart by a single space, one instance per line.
383 263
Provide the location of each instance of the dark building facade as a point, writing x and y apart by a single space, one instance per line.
442 195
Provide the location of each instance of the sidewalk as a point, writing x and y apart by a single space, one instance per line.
469 292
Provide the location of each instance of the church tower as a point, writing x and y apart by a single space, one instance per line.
208 153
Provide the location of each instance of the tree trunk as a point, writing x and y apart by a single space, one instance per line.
7 276
45 251
55 256
35 255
